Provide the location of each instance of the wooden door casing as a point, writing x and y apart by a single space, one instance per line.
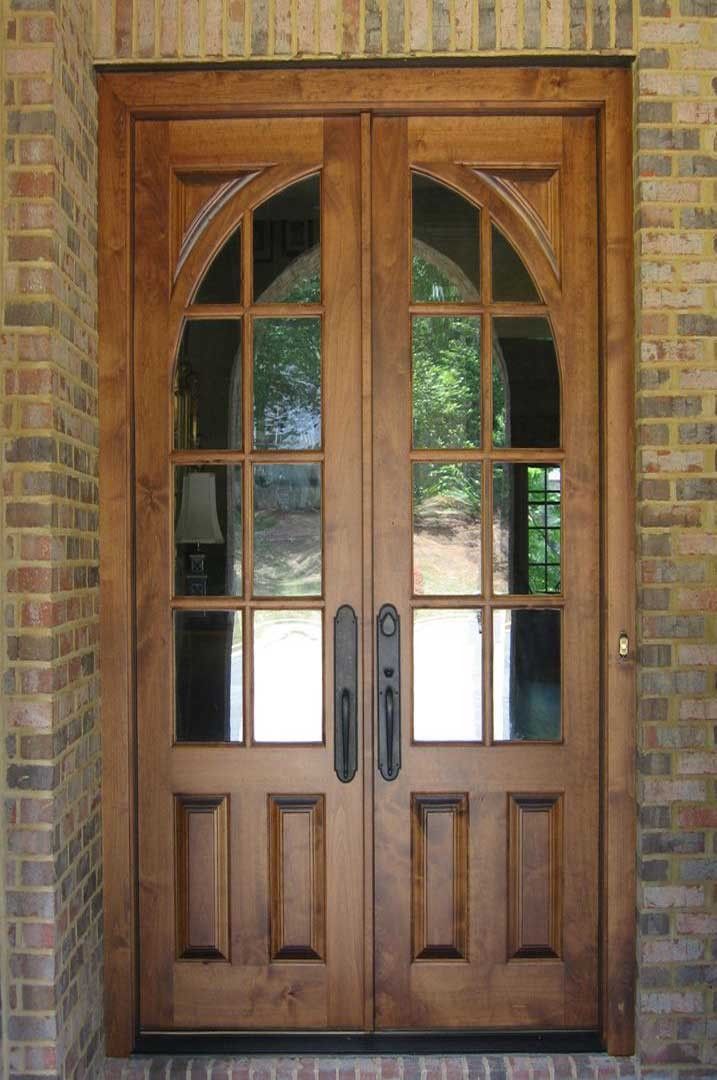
603 94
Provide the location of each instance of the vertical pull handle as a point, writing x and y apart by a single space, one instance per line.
388 654
345 694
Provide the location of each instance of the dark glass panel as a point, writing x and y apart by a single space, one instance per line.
208 676
446 382
222 282
208 386
526 384
446 528
447 675
287 530
287 384
208 530
287 252
526 528
446 252
511 281
526 675
288 676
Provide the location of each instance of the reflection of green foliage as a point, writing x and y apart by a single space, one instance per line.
431 284
499 405
455 487
287 383
446 382
305 290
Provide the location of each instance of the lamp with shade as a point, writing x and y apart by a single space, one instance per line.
197 524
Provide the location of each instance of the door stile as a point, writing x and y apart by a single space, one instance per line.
368 669
152 411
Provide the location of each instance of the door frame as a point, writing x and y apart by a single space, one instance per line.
602 91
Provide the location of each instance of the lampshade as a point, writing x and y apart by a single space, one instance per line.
198 522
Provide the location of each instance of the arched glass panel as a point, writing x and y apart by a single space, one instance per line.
208 386
511 281
446 249
287 253
222 282
526 384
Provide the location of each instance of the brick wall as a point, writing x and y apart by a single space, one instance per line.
52 939
48 558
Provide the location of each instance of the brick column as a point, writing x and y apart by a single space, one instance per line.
49 556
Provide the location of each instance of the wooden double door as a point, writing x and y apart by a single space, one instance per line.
367 573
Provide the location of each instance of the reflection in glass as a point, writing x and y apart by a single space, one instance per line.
447 675
446 528
511 280
208 676
222 282
288 678
526 384
208 530
287 252
287 384
446 253
287 530
208 386
446 382
526 528
526 674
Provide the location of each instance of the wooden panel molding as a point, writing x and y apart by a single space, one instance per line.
202 876
197 197
535 875
534 195
297 877
439 876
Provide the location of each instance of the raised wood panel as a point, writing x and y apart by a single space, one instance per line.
297 872
202 876
439 877
535 873
534 195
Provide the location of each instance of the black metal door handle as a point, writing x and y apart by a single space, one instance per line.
388 653
345 694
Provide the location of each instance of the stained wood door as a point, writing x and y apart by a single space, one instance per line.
486 543
298 793
248 540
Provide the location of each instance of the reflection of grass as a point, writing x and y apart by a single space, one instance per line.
287 553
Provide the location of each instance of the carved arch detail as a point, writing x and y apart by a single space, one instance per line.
534 195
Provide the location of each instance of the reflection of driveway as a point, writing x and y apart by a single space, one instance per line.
288 689
447 675
447 561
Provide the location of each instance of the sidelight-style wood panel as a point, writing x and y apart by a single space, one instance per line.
202 876
439 878
535 875
297 882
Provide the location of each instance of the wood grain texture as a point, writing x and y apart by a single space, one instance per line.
202 876
535 876
439 877
297 881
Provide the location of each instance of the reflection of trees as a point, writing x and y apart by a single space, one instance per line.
287 383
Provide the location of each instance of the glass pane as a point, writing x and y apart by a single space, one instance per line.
222 282
526 528
511 280
287 384
526 675
208 386
446 382
287 252
287 530
447 528
208 676
447 676
208 530
526 384
446 253
288 677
